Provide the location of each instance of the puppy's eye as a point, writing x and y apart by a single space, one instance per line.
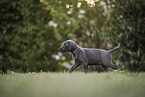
65 44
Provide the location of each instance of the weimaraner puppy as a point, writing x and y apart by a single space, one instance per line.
88 56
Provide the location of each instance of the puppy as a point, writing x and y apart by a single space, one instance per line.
88 56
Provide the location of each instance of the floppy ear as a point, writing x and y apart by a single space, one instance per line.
69 45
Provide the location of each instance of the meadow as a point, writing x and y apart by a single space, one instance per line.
76 84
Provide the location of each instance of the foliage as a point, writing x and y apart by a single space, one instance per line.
83 23
126 26
31 32
26 43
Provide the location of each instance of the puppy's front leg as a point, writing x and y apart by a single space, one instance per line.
73 67
85 66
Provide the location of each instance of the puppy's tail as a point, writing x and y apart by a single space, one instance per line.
110 51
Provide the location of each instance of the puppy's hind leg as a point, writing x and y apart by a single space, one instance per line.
105 68
114 66
107 62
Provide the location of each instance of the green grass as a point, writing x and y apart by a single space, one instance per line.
76 84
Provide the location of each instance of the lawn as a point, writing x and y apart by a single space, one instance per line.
111 84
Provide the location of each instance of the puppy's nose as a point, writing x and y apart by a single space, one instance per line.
60 48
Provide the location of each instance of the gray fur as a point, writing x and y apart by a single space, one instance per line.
88 56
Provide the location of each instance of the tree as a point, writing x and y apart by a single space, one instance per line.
26 44
79 21
126 26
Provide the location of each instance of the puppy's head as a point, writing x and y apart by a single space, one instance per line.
67 46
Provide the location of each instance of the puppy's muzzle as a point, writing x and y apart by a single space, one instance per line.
61 49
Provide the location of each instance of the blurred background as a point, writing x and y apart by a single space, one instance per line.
31 32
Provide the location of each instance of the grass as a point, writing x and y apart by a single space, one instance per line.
77 84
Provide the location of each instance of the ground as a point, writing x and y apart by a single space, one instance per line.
76 84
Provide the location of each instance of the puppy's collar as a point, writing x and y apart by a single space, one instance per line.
76 50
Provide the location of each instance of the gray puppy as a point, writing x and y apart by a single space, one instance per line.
88 56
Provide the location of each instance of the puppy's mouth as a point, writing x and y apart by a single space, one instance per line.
62 50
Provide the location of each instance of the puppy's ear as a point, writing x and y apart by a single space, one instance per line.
69 45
